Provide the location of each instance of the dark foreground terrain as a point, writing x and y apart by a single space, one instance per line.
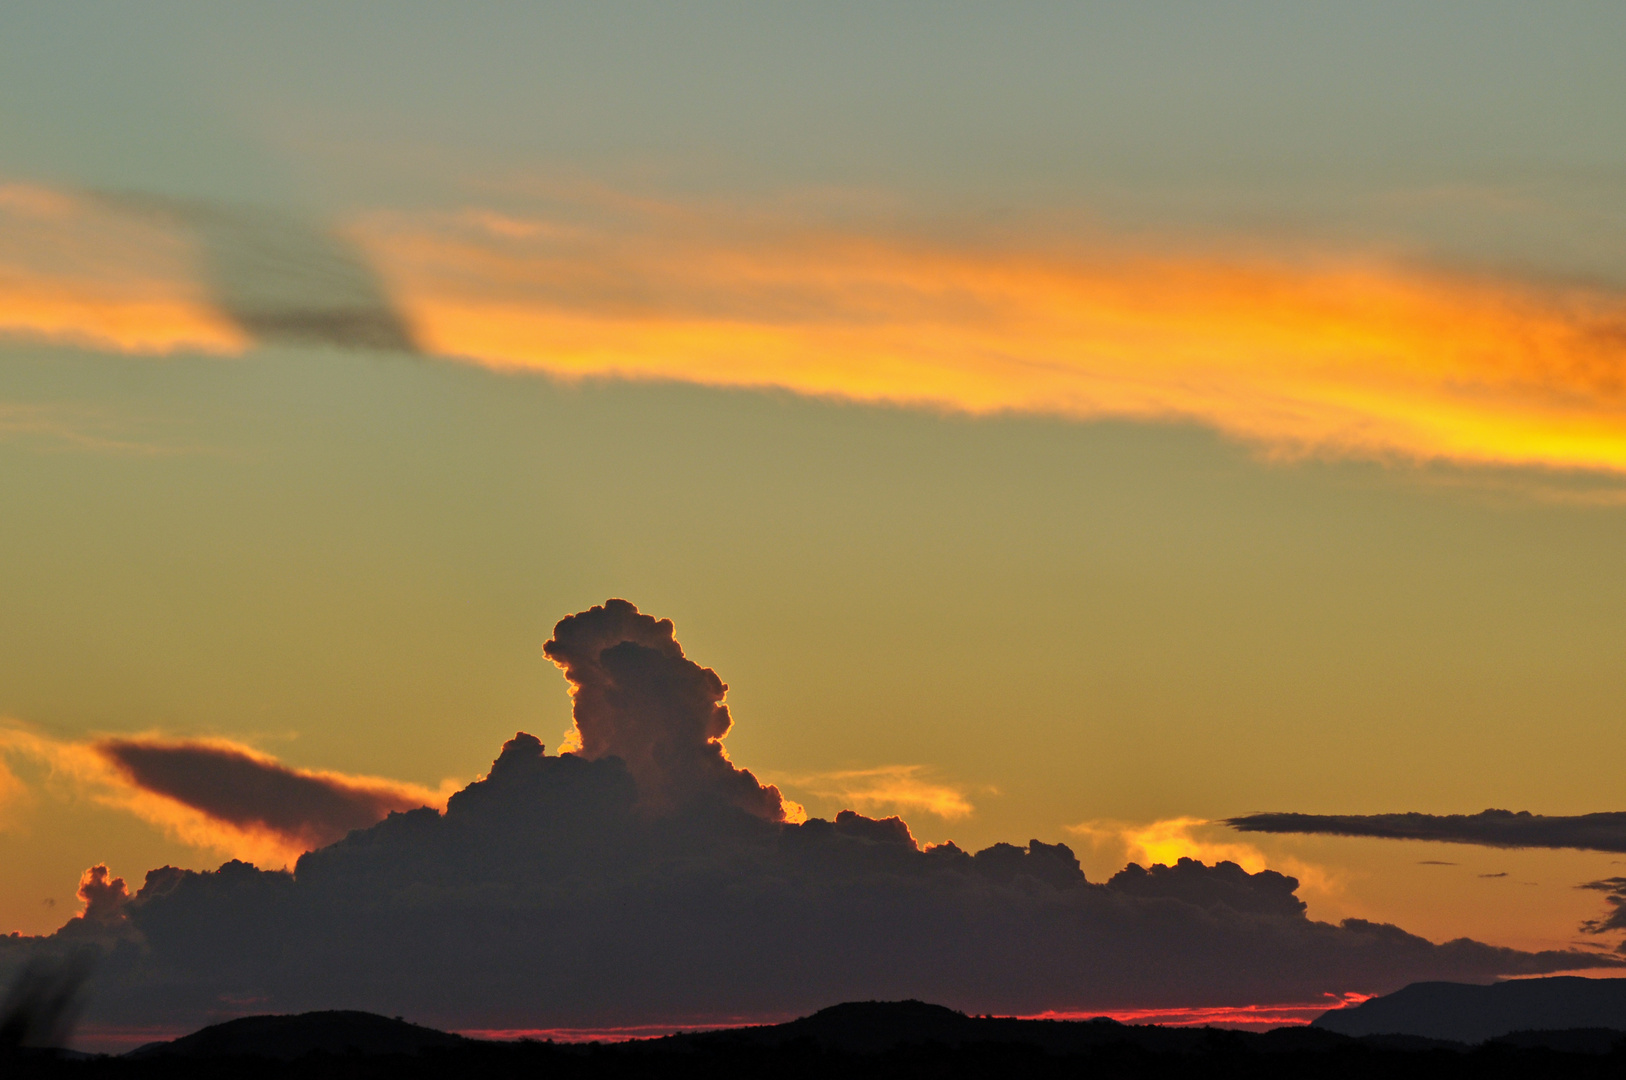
849 1042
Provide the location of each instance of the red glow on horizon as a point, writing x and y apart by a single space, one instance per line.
1258 1017
111 1039
626 1033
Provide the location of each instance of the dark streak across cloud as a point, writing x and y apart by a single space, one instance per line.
281 279
254 793
1489 828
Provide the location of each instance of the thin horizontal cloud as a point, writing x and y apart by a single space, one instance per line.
76 271
144 274
1489 828
1257 1017
212 794
81 428
1321 352
894 788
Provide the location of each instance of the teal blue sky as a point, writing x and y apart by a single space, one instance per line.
350 558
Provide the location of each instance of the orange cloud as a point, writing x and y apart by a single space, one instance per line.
1345 356
212 794
898 788
1169 840
77 272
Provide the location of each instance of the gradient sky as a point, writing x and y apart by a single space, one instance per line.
1049 421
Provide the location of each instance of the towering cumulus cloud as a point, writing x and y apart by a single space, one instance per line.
644 880
638 698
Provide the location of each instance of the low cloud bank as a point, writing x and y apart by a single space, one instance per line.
593 890
1489 828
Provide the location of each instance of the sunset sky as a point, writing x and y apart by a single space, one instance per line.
1084 423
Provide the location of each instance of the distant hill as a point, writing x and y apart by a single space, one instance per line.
870 1040
287 1038
1463 1012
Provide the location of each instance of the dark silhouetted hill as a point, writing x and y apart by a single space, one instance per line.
856 1041
1467 1013
878 1027
288 1038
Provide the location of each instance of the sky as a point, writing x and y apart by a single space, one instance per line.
1086 424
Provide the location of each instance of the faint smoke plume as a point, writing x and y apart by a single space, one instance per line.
43 1004
638 698
1489 828
888 787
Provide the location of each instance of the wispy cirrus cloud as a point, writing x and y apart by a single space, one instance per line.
147 274
886 789
76 271
214 794
1325 352
1330 352
72 426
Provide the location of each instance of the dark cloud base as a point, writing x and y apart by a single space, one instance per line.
647 880
1489 828
545 897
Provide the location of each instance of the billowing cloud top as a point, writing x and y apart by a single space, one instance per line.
638 698
595 890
